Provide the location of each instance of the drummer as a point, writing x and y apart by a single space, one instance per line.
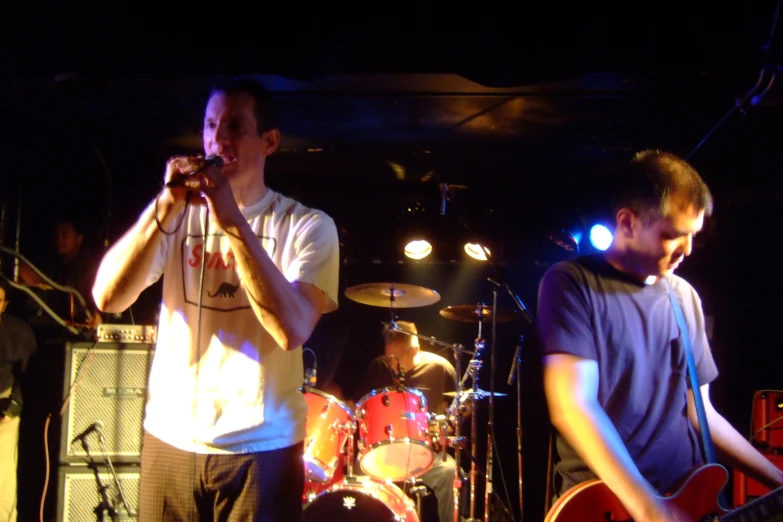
404 363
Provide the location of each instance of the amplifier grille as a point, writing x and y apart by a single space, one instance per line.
112 389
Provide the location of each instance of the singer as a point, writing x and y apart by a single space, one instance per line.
224 427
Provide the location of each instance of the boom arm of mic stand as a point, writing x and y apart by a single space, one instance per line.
431 340
118 515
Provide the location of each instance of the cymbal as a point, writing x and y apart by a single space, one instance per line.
392 295
478 393
472 313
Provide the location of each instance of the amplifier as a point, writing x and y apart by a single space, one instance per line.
127 333
107 383
767 420
78 498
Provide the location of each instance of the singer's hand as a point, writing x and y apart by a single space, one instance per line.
215 191
173 198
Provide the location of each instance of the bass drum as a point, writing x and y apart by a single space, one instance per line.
361 499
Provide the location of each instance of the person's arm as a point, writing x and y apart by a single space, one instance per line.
571 389
733 448
125 268
288 310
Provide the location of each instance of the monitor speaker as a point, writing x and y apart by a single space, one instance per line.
107 384
79 500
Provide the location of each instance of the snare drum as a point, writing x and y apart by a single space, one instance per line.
394 440
326 431
361 499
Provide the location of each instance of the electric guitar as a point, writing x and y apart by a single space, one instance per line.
697 497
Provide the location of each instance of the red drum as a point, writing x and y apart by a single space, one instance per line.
394 440
326 431
361 499
313 489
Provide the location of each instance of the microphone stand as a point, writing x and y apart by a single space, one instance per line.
123 512
105 505
514 374
515 364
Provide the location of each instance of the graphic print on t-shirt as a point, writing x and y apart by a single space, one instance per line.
222 289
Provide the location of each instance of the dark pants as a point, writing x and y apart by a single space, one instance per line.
255 487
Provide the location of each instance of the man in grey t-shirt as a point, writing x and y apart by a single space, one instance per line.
615 374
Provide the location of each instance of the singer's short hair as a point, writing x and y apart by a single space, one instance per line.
390 335
266 119
645 184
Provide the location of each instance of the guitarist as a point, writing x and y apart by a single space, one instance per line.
615 374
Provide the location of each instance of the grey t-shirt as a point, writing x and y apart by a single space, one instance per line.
589 309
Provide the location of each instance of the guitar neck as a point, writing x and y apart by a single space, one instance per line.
768 508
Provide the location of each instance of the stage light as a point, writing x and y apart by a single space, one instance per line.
600 236
418 249
477 251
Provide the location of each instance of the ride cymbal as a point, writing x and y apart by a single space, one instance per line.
392 295
476 313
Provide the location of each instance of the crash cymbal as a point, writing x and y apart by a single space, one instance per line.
392 295
478 393
472 313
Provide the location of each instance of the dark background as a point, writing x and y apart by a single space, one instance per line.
529 107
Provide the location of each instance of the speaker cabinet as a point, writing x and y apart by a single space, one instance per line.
107 383
79 500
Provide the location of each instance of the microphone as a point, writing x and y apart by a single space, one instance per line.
444 197
515 364
210 161
95 426
400 373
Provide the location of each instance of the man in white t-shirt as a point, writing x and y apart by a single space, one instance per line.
248 273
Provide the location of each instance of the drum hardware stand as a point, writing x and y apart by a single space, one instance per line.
417 487
350 427
474 366
491 412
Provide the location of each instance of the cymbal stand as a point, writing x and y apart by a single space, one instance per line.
491 411
473 370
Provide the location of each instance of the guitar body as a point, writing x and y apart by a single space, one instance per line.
594 501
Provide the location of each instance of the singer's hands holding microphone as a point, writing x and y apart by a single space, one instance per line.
196 180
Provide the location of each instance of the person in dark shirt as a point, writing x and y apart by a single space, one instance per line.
74 266
428 374
17 343
615 373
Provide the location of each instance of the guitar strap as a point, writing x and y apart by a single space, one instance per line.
685 339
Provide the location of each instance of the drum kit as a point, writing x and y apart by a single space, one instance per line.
398 438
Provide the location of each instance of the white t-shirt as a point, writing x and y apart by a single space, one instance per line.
240 392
